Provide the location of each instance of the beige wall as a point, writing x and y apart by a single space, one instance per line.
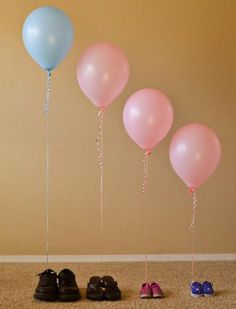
186 49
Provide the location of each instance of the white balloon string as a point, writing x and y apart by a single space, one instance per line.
144 191
145 270
194 211
48 89
145 172
192 228
46 106
100 163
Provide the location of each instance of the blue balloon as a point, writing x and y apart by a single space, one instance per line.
48 36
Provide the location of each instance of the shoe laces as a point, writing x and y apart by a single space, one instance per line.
66 280
47 277
145 285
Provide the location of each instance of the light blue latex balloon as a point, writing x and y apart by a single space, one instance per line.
48 36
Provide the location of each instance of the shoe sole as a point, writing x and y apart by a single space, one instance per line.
197 295
69 297
112 298
145 296
95 299
45 297
157 296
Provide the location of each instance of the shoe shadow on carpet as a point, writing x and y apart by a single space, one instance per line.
167 293
83 292
219 293
132 295
128 294
125 294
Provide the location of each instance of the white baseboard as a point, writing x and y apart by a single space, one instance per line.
117 258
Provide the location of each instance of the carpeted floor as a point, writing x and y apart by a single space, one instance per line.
18 281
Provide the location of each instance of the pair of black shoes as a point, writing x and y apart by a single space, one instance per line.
104 288
52 287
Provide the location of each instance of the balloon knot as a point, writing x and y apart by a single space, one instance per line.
191 190
102 109
148 152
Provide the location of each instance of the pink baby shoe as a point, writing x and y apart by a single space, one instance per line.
146 291
156 290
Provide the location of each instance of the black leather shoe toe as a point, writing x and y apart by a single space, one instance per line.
47 287
68 289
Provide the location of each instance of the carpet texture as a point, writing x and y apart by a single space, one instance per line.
18 281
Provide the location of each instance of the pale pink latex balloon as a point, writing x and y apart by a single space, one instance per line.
195 153
102 73
148 116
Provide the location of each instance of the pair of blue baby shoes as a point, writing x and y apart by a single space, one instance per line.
204 289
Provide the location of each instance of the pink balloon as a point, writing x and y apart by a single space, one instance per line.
102 73
195 153
148 116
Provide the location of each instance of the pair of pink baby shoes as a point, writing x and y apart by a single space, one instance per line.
151 291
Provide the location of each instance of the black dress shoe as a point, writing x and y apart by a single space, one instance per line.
47 286
68 289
